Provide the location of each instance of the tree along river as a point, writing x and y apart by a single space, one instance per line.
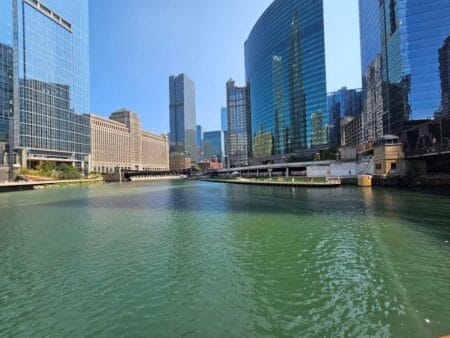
202 259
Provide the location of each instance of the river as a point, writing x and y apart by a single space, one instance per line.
198 259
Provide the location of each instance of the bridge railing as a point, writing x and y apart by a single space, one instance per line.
429 150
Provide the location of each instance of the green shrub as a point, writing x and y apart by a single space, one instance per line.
67 172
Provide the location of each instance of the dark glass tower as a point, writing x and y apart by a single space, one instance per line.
285 70
6 83
239 143
214 145
403 41
444 74
6 90
50 79
342 103
183 128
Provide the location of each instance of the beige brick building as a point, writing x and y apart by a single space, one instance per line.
120 142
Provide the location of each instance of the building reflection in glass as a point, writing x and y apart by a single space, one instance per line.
409 36
50 78
285 70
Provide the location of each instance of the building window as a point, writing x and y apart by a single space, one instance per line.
393 166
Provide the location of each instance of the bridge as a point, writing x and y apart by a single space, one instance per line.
429 142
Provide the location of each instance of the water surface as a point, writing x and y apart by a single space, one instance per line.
213 260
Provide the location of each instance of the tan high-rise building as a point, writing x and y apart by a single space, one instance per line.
120 142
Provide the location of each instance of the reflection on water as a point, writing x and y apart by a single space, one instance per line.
203 259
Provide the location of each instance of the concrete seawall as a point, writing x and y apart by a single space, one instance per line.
17 186
330 184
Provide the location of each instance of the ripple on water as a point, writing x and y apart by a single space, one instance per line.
175 259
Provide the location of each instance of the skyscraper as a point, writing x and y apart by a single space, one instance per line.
214 145
285 71
444 74
6 90
342 103
183 127
50 79
239 125
199 143
224 119
402 38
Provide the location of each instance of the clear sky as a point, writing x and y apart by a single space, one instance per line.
135 45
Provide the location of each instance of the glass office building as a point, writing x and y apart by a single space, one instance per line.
239 143
342 103
6 90
50 79
199 143
183 128
214 145
285 71
6 77
405 41
224 119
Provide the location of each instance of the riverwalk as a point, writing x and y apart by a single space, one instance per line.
12 186
329 183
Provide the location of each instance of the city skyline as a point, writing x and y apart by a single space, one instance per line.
170 55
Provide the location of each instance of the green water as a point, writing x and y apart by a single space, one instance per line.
196 259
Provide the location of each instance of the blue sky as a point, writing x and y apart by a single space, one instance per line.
135 45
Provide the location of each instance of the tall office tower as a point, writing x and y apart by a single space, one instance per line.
444 74
50 40
224 127
6 85
285 70
342 103
223 119
214 145
405 36
183 127
239 125
199 143
6 91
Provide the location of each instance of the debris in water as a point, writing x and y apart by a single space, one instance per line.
427 321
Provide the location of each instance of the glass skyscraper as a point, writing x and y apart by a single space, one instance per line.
6 90
50 79
403 47
6 77
199 143
214 145
183 128
342 103
239 142
285 70
224 119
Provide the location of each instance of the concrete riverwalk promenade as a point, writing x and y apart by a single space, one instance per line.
331 182
12 186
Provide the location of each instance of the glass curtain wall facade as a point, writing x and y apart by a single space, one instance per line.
6 90
403 41
214 145
6 77
223 119
183 127
239 125
342 103
51 40
285 71
199 143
